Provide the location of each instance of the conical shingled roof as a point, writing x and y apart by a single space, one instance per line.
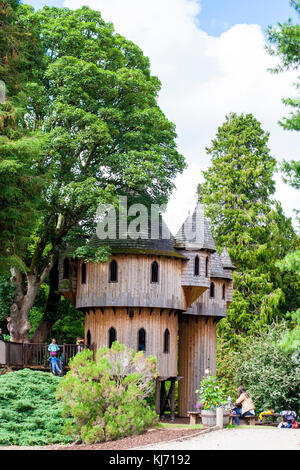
225 259
195 233
152 240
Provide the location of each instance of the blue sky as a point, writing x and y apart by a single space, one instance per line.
218 16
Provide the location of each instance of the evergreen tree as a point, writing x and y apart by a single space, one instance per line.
238 196
284 40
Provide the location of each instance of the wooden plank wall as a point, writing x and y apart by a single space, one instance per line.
134 287
197 351
188 276
154 321
205 305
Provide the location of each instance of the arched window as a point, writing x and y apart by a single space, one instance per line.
83 273
206 267
167 341
88 338
113 271
154 271
212 290
66 268
112 336
142 340
223 291
196 266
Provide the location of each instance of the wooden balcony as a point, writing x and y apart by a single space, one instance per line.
35 355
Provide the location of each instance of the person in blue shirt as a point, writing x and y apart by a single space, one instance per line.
54 361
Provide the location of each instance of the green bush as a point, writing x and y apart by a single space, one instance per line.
29 411
107 397
270 372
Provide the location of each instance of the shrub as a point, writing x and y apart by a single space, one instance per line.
29 411
106 397
270 372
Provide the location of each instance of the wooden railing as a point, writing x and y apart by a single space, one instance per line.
35 355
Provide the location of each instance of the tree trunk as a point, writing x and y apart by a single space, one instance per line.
17 323
48 320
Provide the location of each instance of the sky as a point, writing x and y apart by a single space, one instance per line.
211 60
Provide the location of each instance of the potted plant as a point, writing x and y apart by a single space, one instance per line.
210 397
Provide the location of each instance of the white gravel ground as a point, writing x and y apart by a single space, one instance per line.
241 438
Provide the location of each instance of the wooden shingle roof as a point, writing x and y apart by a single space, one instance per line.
195 233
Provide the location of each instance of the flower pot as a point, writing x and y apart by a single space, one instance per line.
209 417
225 417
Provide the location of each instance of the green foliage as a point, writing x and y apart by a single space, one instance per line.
266 364
106 397
290 342
20 144
70 323
29 412
94 130
290 263
93 254
291 171
7 292
284 42
269 372
210 394
237 196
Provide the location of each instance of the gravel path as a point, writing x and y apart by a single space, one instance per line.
237 439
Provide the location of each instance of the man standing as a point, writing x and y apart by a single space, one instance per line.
53 349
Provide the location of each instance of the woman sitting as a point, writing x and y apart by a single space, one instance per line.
243 406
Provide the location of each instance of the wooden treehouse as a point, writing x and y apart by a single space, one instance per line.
162 296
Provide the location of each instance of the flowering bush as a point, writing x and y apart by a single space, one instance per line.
210 394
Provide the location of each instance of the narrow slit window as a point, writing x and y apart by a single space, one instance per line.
206 267
154 271
113 271
83 273
112 336
167 341
66 268
223 291
212 290
196 266
142 340
88 338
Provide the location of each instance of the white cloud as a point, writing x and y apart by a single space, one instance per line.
204 78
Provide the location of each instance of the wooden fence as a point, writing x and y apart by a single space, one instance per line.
35 355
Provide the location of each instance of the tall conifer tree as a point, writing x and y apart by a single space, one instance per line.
238 196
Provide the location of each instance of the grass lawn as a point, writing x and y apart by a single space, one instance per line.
179 426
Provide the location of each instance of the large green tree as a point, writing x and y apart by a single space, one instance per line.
19 146
238 196
284 42
95 102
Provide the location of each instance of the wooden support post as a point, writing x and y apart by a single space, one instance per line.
173 382
45 354
157 397
7 354
162 399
